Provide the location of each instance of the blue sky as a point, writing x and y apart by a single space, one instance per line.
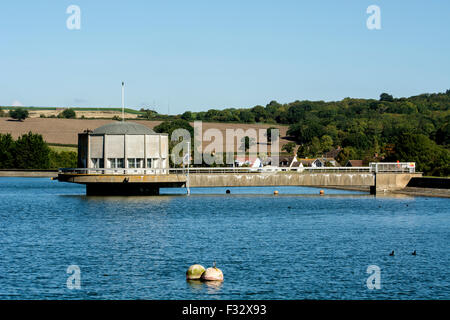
197 55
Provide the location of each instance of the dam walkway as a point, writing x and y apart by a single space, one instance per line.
147 181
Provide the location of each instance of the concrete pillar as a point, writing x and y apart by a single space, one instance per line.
88 160
105 159
145 152
125 162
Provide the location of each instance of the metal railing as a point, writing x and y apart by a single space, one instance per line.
114 171
405 167
379 167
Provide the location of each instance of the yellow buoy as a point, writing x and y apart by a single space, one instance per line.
275 192
195 272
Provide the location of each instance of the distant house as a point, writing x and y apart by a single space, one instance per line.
308 162
286 162
319 162
354 163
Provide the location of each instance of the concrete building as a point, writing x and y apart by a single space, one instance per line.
124 145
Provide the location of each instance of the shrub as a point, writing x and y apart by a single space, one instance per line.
19 114
68 114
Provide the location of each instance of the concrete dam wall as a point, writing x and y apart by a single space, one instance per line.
282 179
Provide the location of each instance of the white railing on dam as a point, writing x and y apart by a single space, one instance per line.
380 167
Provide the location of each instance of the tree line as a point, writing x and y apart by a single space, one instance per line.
388 129
30 151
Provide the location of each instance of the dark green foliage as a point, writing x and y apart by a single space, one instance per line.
63 159
6 151
170 125
19 114
430 158
187 116
386 97
31 152
289 147
443 134
68 114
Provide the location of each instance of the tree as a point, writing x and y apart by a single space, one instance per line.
6 151
386 97
187 116
169 126
430 158
289 147
63 159
246 116
326 143
31 152
260 113
346 154
19 114
68 114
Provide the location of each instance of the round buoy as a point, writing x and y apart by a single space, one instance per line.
275 192
322 192
212 274
195 272
228 191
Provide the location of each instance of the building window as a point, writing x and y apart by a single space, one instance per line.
149 163
135 163
116 163
97 162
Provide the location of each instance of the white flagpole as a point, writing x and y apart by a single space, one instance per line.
123 102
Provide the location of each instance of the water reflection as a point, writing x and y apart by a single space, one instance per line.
212 287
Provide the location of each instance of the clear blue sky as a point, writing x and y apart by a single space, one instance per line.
198 55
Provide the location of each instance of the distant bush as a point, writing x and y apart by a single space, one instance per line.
2 113
6 151
68 114
117 118
19 114
30 151
42 115
63 159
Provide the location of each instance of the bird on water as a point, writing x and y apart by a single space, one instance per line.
414 253
392 253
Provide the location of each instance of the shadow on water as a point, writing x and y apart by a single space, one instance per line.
168 197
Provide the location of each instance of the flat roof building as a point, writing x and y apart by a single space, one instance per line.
124 145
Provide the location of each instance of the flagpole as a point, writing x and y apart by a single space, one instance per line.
123 102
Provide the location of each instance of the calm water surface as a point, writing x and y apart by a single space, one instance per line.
297 245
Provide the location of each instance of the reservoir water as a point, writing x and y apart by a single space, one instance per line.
297 245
